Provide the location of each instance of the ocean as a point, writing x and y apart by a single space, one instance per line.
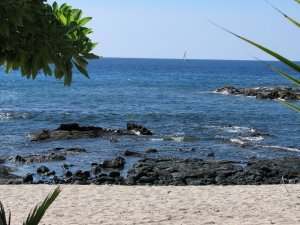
175 99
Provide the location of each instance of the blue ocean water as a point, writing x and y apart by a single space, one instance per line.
173 98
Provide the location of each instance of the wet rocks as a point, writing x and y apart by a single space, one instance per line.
76 127
263 92
150 151
170 171
43 170
6 175
229 90
130 153
117 163
96 169
200 172
75 131
210 154
67 150
28 178
37 158
138 129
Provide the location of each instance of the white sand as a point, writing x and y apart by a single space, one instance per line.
158 205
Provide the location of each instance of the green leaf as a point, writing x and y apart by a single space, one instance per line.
291 78
272 53
81 70
47 70
296 108
38 212
78 15
286 16
62 19
83 21
55 6
90 56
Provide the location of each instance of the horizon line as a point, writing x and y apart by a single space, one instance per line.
121 57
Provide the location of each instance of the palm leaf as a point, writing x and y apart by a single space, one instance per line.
296 81
289 105
3 216
38 212
286 16
270 52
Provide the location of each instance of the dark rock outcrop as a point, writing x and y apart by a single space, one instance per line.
138 128
130 153
37 158
264 92
66 151
150 151
28 178
117 163
75 131
42 170
200 172
6 176
76 127
229 90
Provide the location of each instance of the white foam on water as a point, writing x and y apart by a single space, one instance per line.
237 141
136 132
279 147
237 129
4 116
206 92
259 138
178 139
156 139
223 92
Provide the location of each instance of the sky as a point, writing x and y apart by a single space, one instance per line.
168 28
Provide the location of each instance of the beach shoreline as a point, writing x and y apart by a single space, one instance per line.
108 204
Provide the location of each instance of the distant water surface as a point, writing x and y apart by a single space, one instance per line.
173 98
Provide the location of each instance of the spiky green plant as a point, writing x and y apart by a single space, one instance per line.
37 213
281 58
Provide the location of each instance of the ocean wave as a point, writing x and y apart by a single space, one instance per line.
237 129
156 139
293 149
232 129
4 116
253 139
237 141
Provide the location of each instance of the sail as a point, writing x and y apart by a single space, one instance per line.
184 56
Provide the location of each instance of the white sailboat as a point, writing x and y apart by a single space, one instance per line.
184 56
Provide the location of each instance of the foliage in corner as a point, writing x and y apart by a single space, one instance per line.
34 35
36 215
284 60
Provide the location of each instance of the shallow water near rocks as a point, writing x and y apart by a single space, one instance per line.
173 98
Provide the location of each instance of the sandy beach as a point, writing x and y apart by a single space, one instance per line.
272 204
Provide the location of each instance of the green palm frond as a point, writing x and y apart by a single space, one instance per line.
38 212
3 216
286 61
286 16
289 105
284 74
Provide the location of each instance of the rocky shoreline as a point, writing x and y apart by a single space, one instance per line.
165 171
147 169
289 94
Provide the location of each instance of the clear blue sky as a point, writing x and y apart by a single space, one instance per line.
166 28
